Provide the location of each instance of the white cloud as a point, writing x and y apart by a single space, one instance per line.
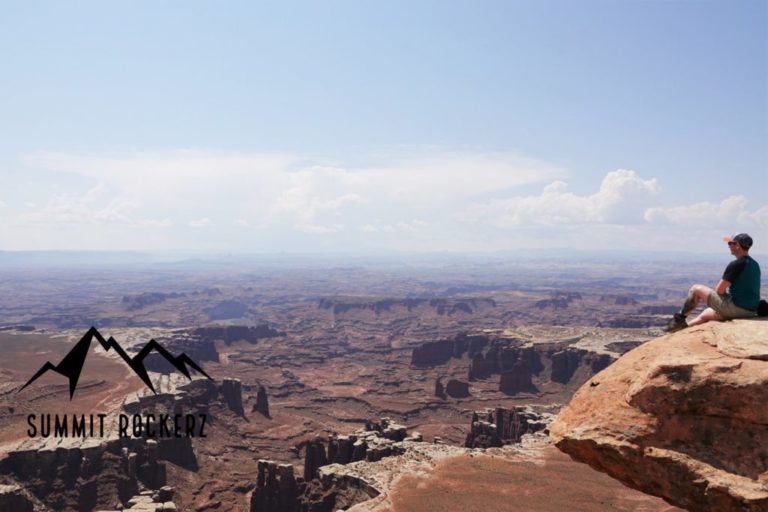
422 200
730 212
90 208
205 222
622 198
279 191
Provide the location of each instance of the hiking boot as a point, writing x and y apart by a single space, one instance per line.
677 323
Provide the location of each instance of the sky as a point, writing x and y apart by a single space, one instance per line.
365 127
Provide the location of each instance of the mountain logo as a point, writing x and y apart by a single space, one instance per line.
72 364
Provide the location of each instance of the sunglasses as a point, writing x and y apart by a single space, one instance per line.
733 244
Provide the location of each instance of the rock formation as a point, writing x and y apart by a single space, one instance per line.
517 362
276 488
152 501
232 333
439 388
262 402
457 389
435 353
12 497
315 456
500 426
105 471
432 353
518 379
231 390
682 417
566 362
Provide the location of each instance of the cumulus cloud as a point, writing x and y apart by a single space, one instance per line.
621 198
731 211
426 199
90 208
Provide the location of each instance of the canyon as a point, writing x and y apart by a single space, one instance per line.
333 386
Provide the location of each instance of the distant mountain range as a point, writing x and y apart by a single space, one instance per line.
72 364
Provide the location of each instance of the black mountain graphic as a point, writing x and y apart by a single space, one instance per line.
72 364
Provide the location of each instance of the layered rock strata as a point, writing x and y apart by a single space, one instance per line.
520 364
81 477
682 417
279 490
498 427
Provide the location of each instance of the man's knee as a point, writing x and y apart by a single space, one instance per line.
700 290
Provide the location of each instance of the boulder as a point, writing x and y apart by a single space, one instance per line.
682 417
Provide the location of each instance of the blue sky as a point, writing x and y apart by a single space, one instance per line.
366 126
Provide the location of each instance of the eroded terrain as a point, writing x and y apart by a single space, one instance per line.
299 353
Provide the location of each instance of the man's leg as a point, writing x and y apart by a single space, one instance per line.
707 315
696 294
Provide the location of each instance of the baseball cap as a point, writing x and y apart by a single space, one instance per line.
743 239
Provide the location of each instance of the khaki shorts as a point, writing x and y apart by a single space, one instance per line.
725 308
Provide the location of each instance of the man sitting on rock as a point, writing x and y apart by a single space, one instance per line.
735 296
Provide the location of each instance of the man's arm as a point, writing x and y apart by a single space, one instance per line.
722 285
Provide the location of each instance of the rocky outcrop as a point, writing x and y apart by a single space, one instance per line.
321 490
439 388
566 362
231 391
12 497
501 426
435 353
152 501
314 457
262 402
518 379
105 472
457 389
520 364
232 333
682 417
276 488
198 350
432 353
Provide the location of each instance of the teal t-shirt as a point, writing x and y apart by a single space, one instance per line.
744 275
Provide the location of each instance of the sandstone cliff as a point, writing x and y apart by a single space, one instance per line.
683 417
